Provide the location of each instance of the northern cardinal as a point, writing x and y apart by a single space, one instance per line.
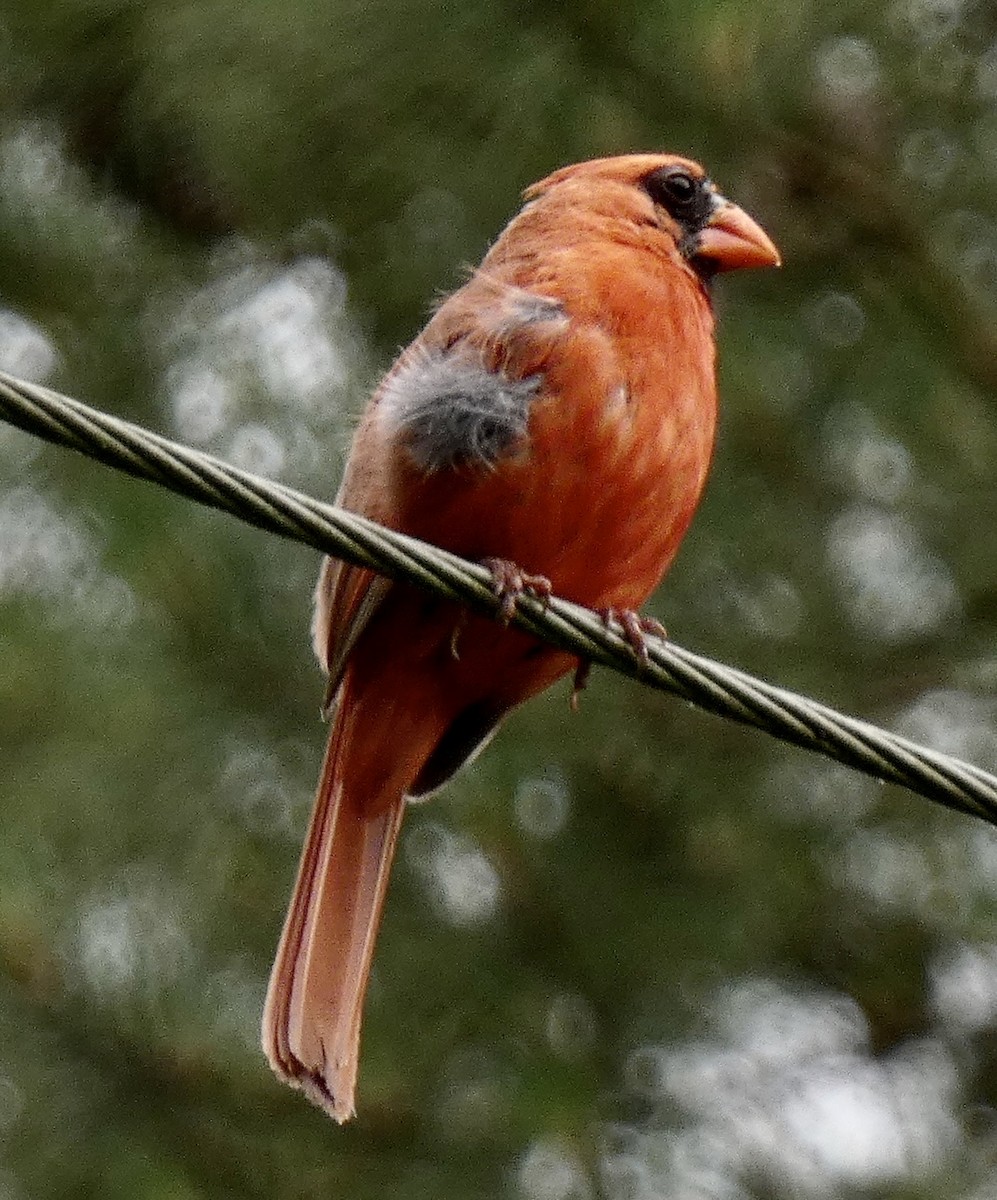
556 415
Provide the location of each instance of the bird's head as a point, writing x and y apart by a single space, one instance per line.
672 194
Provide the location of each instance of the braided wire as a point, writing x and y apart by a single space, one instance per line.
707 684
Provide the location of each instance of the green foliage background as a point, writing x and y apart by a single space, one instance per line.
632 953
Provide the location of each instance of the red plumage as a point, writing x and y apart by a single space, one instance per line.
558 412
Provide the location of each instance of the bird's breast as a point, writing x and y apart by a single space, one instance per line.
623 461
618 413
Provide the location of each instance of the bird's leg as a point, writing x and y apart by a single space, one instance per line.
635 629
509 582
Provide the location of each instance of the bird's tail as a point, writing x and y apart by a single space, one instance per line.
311 1022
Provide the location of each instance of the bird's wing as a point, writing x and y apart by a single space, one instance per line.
471 374
346 597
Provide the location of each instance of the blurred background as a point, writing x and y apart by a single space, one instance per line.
634 953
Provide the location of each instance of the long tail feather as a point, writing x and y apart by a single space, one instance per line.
311 1022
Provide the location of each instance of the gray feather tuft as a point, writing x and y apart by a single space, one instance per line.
452 411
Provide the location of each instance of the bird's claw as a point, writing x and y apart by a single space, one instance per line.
635 629
458 629
580 682
509 582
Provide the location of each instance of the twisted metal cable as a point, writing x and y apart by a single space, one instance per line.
709 685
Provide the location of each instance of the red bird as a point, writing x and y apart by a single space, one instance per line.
557 413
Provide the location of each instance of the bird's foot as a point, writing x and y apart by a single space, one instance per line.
635 629
509 582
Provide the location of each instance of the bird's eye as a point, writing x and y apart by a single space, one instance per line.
688 199
681 188
674 189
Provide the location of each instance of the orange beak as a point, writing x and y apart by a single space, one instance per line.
732 240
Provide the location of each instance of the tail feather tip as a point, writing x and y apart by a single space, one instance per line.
337 1099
